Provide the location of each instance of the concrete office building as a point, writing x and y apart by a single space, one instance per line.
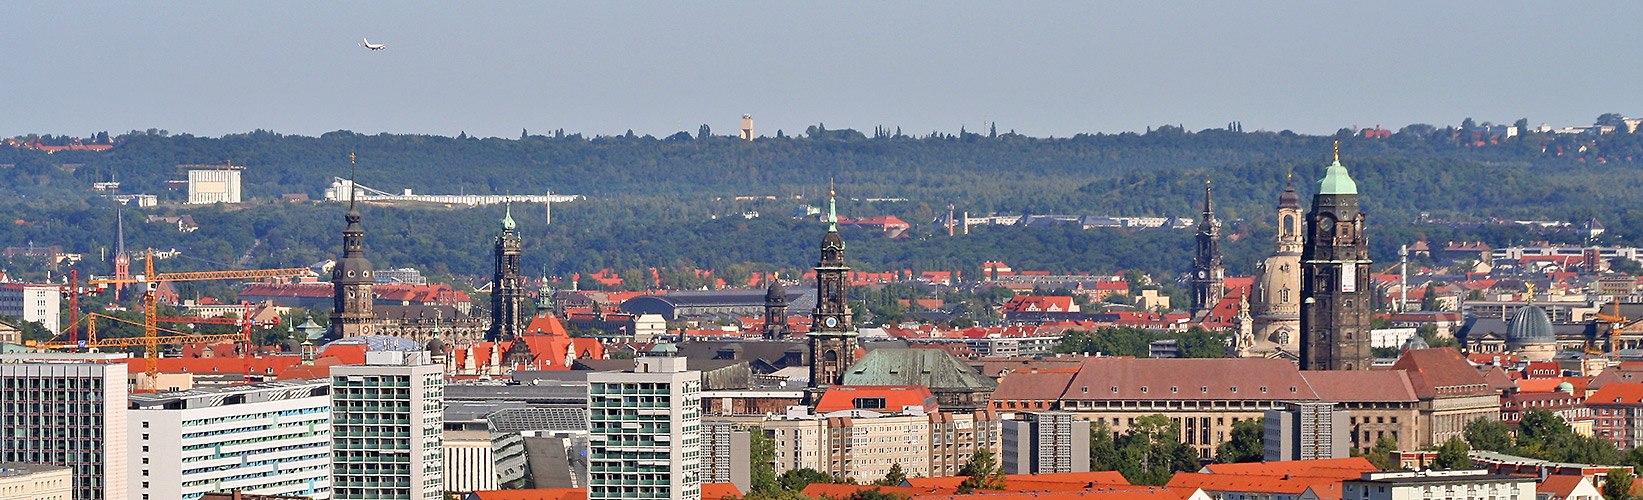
469 464
1308 430
67 410
387 427
35 482
29 302
1045 443
272 438
644 432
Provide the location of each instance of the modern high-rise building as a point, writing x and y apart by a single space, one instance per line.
29 302
68 410
1306 430
644 432
725 455
272 438
1336 293
387 426
1046 442
1208 275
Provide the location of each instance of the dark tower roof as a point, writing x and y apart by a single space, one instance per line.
776 292
1209 210
1289 199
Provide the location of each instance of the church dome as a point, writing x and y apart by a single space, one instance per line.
1414 343
1289 199
436 346
776 291
1530 326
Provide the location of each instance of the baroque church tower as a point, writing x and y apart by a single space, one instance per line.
1208 277
351 278
832 336
1276 300
1335 287
775 310
507 286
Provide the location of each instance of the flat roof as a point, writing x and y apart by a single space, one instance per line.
14 469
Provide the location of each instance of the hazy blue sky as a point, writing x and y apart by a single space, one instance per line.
494 68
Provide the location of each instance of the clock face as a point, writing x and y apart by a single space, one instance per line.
1202 274
831 322
1327 224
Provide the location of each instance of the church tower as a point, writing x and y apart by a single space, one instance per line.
1335 288
1276 302
122 261
775 310
507 286
1207 274
832 337
351 278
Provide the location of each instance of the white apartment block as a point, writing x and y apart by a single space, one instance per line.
35 482
1447 484
213 185
272 438
67 410
863 444
41 303
387 426
644 434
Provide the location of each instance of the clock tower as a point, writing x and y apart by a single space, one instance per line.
832 335
351 278
1335 290
1208 277
507 285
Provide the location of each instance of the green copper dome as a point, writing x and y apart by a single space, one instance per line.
507 218
1337 181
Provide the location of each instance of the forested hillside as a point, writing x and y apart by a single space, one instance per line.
669 201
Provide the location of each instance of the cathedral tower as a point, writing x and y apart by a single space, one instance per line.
775 310
832 337
507 286
122 261
1207 274
1335 287
351 278
1276 301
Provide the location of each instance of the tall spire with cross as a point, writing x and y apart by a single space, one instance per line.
1208 276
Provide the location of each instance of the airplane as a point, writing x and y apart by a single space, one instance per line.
371 46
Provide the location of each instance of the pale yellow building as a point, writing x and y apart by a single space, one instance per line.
864 445
35 482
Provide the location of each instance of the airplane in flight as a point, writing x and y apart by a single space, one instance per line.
377 46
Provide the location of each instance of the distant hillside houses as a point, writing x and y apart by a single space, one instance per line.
1081 221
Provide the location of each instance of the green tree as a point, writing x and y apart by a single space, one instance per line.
1486 434
1453 455
1151 451
796 479
1539 429
981 473
1381 454
1245 445
1103 448
762 456
875 494
894 477
1619 485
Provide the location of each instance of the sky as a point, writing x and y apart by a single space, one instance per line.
1038 68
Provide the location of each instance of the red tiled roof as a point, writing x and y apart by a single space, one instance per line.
842 491
1361 385
716 491
1625 393
1293 485
1034 385
1560 485
536 494
896 397
1188 379
1441 372
1343 468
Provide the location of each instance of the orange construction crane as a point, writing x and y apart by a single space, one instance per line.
151 281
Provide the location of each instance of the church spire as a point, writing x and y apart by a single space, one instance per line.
832 208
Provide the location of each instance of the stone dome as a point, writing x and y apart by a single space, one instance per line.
1530 326
776 291
436 346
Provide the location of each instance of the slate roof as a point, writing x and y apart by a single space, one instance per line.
934 368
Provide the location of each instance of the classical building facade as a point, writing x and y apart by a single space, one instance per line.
1336 292
832 334
507 285
1208 276
1275 304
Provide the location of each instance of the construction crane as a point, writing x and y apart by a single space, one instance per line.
150 281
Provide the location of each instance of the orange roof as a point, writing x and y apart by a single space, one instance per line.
896 397
546 324
1550 384
1560 485
716 491
1257 484
540 494
1342 468
824 490
1618 393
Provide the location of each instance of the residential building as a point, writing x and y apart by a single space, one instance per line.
387 426
35 482
272 438
644 432
1438 484
67 410
1617 414
1045 442
864 444
1306 431
30 302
